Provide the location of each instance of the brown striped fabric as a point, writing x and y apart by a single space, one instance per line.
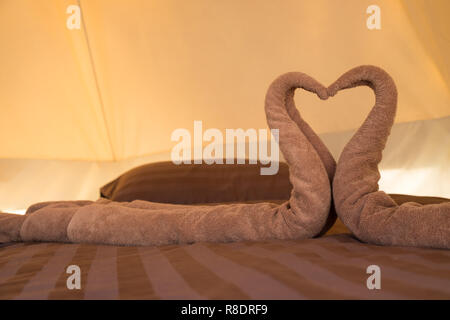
331 267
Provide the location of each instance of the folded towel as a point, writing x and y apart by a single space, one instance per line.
372 215
305 215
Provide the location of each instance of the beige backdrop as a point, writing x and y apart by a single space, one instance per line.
78 107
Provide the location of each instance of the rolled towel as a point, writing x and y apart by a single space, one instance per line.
305 215
10 225
372 215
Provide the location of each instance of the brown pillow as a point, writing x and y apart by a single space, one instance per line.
166 182
199 184
402 198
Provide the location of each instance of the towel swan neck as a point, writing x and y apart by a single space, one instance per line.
372 215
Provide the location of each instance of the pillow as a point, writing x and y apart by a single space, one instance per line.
402 198
166 182
197 184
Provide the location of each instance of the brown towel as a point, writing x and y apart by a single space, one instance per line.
305 215
372 215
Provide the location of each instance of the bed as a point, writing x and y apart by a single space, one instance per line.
333 266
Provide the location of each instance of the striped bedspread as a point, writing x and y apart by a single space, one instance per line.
331 267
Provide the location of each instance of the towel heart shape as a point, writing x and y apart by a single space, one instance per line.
372 215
